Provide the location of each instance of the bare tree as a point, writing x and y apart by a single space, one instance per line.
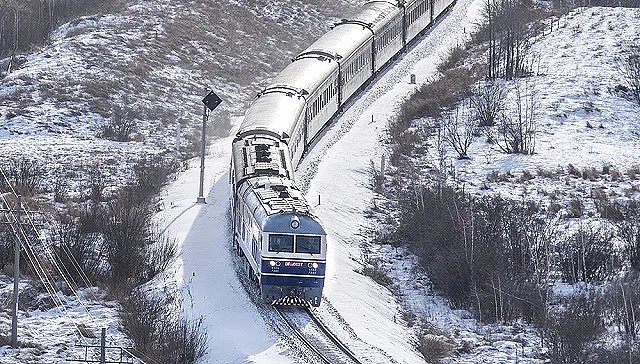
27 22
459 130
629 232
488 102
517 129
507 30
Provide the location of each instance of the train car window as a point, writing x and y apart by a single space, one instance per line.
281 243
307 244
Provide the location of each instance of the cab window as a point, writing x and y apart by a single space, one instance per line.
281 243
307 244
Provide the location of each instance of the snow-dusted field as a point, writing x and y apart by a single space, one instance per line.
574 72
582 122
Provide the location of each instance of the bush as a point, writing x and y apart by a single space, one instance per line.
588 255
488 102
80 253
120 126
374 269
23 175
159 333
485 254
134 251
569 329
622 304
628 230
630 71
435 97
433 348
455 57
152 172
607 208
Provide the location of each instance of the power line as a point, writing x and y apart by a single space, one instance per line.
14 220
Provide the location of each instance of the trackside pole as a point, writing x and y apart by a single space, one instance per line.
211 101
201 198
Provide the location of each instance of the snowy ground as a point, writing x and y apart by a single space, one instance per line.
371 317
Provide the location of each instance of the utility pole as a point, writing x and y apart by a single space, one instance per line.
13 219
103 344
211 101
16 278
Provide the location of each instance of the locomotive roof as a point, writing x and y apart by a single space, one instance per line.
274 201
342 40
260 155
278 195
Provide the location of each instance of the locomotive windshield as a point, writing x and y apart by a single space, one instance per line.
307 244
281 243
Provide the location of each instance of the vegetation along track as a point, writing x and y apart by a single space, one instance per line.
310 330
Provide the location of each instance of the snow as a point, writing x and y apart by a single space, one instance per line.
366 316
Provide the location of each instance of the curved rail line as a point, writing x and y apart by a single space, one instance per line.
342 348
332 337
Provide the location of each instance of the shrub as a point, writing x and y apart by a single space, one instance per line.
488 102
630 71
374 269
454 57
434 348
80 253
158 332
622 303
435 97
607 208
152 172
569 329
572 170
120 126
576 207
588 255
23 175
628 230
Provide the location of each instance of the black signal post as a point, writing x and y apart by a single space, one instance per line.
211 101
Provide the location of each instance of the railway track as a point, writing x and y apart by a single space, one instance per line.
315 335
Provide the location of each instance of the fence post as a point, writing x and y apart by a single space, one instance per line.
103 340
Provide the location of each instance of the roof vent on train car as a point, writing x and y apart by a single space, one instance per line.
263 153
281 190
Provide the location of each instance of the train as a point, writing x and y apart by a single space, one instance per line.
280 239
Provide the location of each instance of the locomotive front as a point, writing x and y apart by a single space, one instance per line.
294 259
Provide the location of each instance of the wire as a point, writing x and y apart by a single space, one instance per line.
54 261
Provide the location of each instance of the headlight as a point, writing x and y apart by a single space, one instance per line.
314 265
272 263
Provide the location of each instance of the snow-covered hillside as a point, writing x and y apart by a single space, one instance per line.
150 62
575 75
582 122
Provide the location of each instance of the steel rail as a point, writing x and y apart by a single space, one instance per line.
301 337
331 336
324 330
